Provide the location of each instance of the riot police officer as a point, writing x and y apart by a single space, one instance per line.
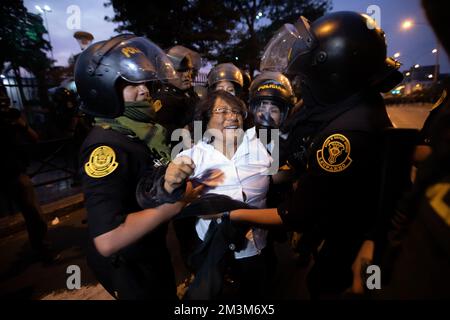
271 98
412 246
127 249
176 98
227 77
335 140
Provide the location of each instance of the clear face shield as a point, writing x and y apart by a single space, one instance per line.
268 114
143 61
290 41
187 63
178 55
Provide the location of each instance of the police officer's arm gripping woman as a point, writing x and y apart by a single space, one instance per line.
127 251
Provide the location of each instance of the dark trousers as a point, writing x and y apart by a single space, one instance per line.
143 279
20 189
253 275
332 273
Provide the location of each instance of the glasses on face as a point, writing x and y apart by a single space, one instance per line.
226 111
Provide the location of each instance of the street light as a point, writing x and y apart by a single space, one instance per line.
408 24
396 55
436 51
44 11
417 66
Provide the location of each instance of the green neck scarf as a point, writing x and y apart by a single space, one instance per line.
137 121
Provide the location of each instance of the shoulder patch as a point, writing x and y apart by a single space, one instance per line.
335 154
102 162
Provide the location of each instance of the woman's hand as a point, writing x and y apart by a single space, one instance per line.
177 173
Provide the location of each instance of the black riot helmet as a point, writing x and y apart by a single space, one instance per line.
125 57
63 95
337 55
270 88
226 72
247 80
184 59
64 99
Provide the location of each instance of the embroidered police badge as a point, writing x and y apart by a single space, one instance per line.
335 154
101 162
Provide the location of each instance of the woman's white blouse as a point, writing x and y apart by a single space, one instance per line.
246 179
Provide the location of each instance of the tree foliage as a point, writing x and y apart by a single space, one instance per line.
259 20
22 37
23 44
222 30
200 24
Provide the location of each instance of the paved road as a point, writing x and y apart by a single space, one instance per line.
21 276
408 115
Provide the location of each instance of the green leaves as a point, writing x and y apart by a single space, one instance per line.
21 34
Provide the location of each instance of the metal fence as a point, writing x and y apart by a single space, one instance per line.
29 87
201 79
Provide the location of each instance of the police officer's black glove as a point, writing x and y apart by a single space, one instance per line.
210 204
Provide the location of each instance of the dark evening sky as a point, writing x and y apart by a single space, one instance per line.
414 45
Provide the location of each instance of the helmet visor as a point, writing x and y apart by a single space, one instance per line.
268 113
143 61
290 41
184 58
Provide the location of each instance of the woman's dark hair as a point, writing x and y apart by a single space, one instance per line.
203 109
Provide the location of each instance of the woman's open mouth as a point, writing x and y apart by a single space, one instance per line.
231 127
